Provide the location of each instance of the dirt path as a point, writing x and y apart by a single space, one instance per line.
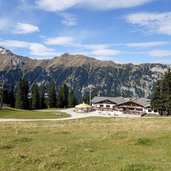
73 114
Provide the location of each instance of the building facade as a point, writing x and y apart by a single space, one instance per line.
126 105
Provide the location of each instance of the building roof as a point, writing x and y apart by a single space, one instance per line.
116 100
120 100
142 101
83 106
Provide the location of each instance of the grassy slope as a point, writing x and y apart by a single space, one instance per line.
87 144
28 114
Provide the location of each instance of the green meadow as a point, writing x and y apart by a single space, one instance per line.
32 114
101 144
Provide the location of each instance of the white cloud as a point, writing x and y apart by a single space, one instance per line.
159 23
95 50
13 44
4 24
105 52
9 25
146 44
36 49
23 28
56 5
62 41
160 53
94 46
114 4
62 5
69 19
26 6
99 50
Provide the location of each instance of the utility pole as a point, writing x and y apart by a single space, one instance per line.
90 90
90 95
1 94
82 92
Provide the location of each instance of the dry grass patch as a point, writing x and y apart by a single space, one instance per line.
87 144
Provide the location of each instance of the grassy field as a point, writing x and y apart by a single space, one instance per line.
101 144
31 114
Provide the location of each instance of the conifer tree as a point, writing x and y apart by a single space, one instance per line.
6 98
63 97
60 99
155 102
12 97
167 92
43 104
52 95
25 94
19 94
71 99
161 99
65 92
22 101
35 97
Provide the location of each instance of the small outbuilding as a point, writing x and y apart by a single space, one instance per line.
83 108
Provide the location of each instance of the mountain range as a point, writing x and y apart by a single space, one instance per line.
78 72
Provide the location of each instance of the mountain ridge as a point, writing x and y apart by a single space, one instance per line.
78 71
4 51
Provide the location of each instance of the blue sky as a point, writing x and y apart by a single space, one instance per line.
124 31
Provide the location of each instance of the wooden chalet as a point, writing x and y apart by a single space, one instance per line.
127 105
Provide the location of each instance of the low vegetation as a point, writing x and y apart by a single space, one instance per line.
31 114
87 144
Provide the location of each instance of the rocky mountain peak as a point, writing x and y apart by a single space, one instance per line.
9 59
72 60
4 51
65 55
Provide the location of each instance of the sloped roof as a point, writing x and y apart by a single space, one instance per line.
117 100
83 106
120 100
142 101
139 101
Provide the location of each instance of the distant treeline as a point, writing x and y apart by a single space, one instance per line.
39 97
